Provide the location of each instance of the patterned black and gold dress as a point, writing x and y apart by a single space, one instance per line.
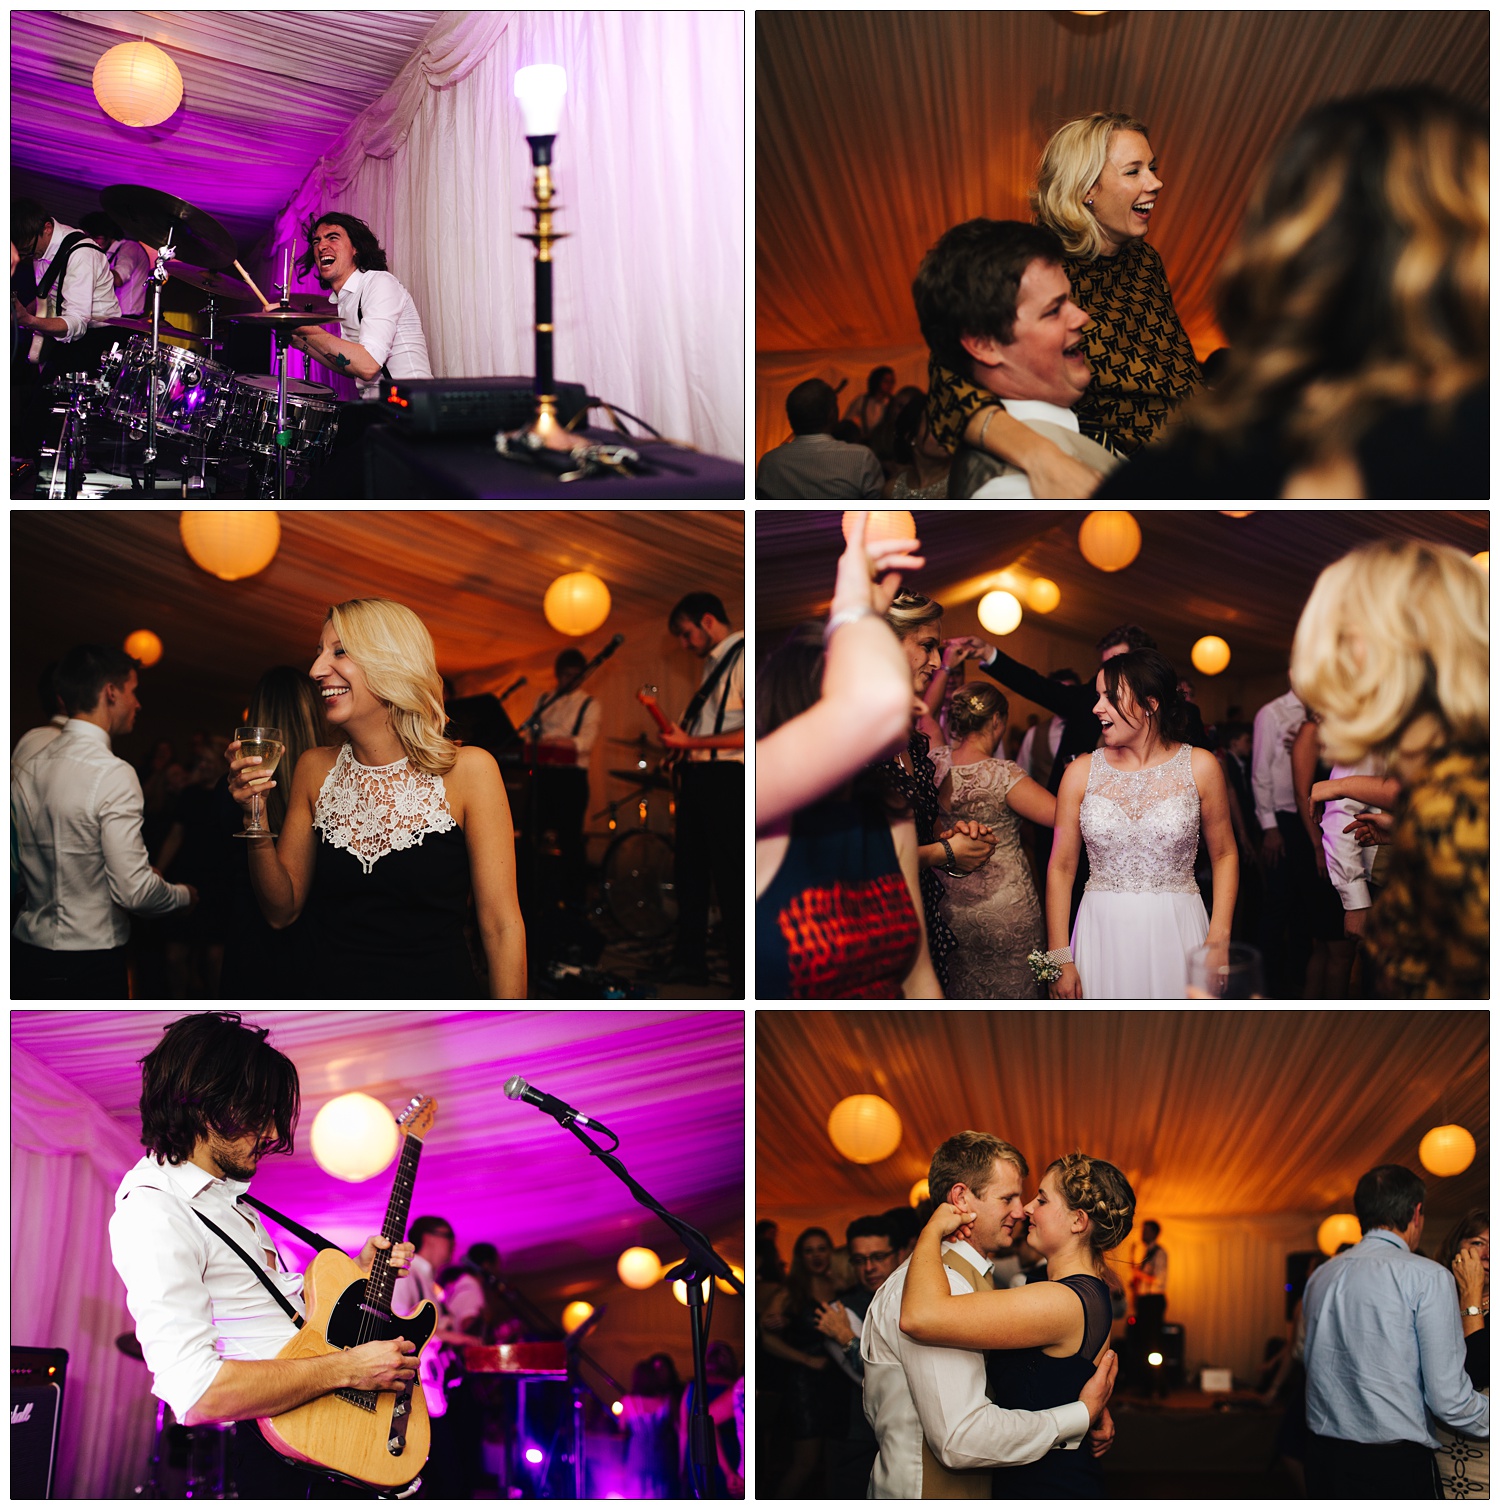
1143 362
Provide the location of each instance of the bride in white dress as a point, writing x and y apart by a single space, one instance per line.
1138 802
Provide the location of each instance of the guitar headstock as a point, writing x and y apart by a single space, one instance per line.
647 694
416 1121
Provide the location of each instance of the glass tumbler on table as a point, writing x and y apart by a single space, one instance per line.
269 745
1224 972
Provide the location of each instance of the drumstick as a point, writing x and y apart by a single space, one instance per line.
264 302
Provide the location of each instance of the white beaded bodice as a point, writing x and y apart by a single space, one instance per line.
1141 827
371 811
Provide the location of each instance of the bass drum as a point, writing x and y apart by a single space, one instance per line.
638 886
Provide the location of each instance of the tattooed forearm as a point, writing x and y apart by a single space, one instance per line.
338 359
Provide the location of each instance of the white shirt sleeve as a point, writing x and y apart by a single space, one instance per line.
88 290
132 883
379 304
588 731
1345 854
158 1248
1266 736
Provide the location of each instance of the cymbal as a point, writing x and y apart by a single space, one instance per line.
277 318
220 285
644 778
314 303
147 215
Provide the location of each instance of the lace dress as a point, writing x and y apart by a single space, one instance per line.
390 892
1141 911
994 913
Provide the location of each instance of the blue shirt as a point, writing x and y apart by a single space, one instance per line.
1385 1348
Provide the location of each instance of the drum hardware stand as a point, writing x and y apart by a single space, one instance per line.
159 276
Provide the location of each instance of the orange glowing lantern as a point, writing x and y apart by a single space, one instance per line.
143 646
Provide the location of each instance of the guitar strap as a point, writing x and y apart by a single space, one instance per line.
578 722
280 1299
706 691
311 1238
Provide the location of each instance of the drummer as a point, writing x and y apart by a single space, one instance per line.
380 336
129 263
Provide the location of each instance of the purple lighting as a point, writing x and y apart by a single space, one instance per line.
534 1456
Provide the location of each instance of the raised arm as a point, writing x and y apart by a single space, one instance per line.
1035 1316
865 708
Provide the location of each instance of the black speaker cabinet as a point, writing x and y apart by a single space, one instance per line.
37 1375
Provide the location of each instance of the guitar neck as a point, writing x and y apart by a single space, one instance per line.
382 1281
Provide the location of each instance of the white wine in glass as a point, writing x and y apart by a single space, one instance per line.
269 745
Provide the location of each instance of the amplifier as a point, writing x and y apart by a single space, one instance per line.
36 1391
472 406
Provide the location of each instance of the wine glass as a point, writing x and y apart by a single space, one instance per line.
270 746
1224 972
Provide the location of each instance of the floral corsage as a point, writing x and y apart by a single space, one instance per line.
1046 964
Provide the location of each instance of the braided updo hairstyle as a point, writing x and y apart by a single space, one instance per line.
971 708
1103 1194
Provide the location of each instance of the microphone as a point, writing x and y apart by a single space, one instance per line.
516 1089
613 646
515 686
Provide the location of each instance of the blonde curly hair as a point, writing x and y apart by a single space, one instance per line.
1396 630
1071 164
1102 1193
392 648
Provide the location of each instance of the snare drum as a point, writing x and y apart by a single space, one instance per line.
312 416
192 394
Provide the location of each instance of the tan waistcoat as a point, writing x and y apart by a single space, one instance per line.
939 1482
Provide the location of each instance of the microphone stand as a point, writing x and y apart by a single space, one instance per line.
701 1263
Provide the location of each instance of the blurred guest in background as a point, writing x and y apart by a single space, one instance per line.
812 464
921 465
1464 1461
648 1415
868 409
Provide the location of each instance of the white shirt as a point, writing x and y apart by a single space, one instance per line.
734 706
912 1391
1349 861
419 1283
131 259
1271 761
88 291
390 330
1054 738
37 739
558 720
194 1300
1036 414
77 809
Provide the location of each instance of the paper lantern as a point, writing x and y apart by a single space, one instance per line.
577 603
1000 612
919 1192
884 524
143 646
231 543
1335 1231
639 1268
1238 513
1043 595
679 1292
575 1313
354 1137
1211 655
724 1284
1483 559
865 1129
138 84
1447 1150
1110 539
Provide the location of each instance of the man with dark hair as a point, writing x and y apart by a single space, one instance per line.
1384 1354
938 1434
874 1244
77 809
710 837
1148 1284
380 336
812 464
129 263
565 735
52 710
995 306
209 1291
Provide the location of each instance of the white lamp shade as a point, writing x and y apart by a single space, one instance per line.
576 604
138 84
1043 595
231 543
1447 1150
1109 539
1335 1231
1000 612
354 1137
1211 654
540 89
864 1129
143 646
639 1268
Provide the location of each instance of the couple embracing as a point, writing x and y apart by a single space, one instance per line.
962 1378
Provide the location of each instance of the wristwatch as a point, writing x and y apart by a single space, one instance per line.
1471 1311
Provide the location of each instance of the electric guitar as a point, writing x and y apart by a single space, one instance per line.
376 1437
647 699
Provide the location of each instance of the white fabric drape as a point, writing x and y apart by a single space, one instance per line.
67 1158
648 292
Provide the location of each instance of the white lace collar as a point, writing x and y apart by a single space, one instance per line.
372 810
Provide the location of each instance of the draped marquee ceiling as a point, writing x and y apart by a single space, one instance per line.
877 130
1197 572
669 1083
263 93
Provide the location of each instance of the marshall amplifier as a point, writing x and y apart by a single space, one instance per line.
471 406
36 1391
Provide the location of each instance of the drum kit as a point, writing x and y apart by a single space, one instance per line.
193 413
638 865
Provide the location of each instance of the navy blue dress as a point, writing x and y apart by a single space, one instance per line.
1027 1379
